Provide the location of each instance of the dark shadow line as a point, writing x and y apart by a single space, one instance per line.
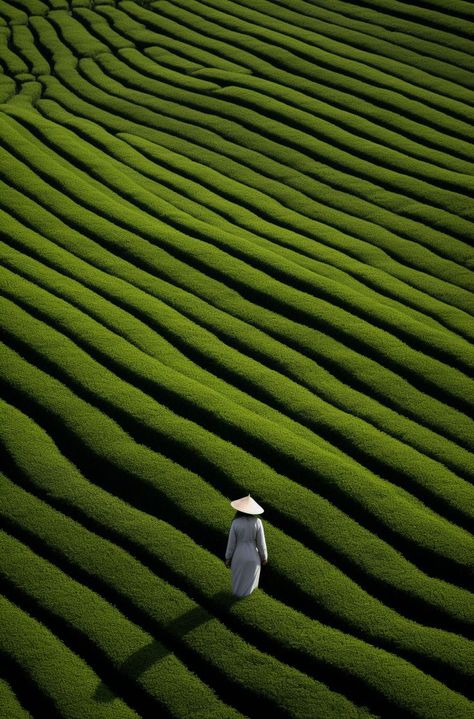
31 697
76 640
266 54
401 15
298 147
314 94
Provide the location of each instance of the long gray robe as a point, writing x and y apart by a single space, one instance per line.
246 547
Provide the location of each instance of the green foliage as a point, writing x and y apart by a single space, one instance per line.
276 311
11 707
66 681
174 616
190 566
158 479
187 397
236 255
23 39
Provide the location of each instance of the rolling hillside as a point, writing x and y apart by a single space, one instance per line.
236 257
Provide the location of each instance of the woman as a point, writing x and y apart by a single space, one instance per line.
246 547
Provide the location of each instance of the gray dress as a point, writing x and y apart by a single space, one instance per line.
246 547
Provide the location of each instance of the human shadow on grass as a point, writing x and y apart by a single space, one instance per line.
135 665
149 654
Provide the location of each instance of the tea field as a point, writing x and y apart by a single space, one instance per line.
236 257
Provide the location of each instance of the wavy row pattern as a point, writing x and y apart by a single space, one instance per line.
236 255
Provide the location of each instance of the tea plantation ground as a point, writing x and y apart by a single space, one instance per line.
236 257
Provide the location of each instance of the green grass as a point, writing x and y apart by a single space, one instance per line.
9 702
151 469
308 203
64 681
137 661
160 545
207 257
170 613
186 397
213 201
236 256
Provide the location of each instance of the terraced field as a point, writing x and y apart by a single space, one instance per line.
236 256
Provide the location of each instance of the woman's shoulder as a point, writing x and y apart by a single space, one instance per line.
246 518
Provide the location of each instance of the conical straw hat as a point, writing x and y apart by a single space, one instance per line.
247 505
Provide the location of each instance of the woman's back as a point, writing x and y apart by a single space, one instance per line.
247 549
246 528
